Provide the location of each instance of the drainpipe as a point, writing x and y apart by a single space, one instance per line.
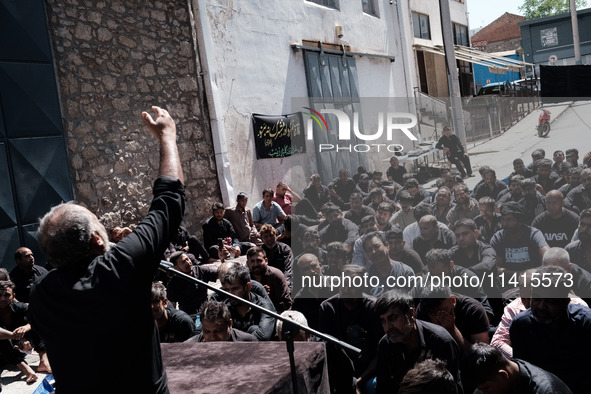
212 93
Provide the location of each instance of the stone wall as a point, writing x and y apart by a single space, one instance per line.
115 59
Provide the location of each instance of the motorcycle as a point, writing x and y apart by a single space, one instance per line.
544 123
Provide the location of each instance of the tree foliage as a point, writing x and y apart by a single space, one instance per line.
534 9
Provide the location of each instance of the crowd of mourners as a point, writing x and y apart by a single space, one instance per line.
445 291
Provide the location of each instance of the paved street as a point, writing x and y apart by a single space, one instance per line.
571 128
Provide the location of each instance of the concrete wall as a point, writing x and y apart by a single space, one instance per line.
250 67
115 59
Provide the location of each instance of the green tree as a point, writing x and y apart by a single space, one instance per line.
534 9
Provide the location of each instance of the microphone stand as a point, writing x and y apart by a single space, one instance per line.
290 327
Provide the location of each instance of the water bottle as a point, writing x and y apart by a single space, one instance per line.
198 323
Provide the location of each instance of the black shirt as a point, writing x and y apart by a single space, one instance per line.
24 281
393 362
103 307
557 232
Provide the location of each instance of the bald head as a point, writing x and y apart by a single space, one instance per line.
309 265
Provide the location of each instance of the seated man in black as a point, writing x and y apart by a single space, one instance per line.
455 152
486 368
309 298
236 280
173 325
270 277
409 341
432 237
557 223
553 333
580 249
216 325
187 294
489 221
25 273
358 211
405 255
442 271
337 228
491 187
350 317
463 317
218 228
279 254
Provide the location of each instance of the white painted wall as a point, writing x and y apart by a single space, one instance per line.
250 68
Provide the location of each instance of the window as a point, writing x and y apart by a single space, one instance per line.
327 3
420 25
370 7
461 35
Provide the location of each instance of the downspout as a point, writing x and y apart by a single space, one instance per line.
212 94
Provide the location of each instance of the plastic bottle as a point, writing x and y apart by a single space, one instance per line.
198 322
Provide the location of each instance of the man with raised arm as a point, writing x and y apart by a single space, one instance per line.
99 297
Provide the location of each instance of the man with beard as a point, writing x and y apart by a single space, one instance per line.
309 298
383 216
491 187
368 225
25 273
236 280
187 294
580 250
216 228
336 227
545 177
489 221
466 207
518 246
532 200
279 255
409 341
241 219
573 179
405 216
350 316
520 169
270 277
579 198
173 325
513 192
554 334
398 252
432 237
341 187
358 211
557 223
442 204
385 269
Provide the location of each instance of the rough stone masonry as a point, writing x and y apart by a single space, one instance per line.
113 60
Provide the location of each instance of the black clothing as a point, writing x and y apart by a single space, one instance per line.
434 343
487 231
281 257
317 197
456 153
178 328
577 255
104 305
356 217
557 232
578 199
483 261
413 260
535 380
190 295
397 174
212 231
24 281
564 352
483 190
445 240
255 322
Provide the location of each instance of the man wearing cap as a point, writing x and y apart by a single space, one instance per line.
455 151
241 219
518 246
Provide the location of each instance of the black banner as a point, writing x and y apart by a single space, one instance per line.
278 135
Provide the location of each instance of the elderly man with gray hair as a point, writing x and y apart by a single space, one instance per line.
98 297
581 279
